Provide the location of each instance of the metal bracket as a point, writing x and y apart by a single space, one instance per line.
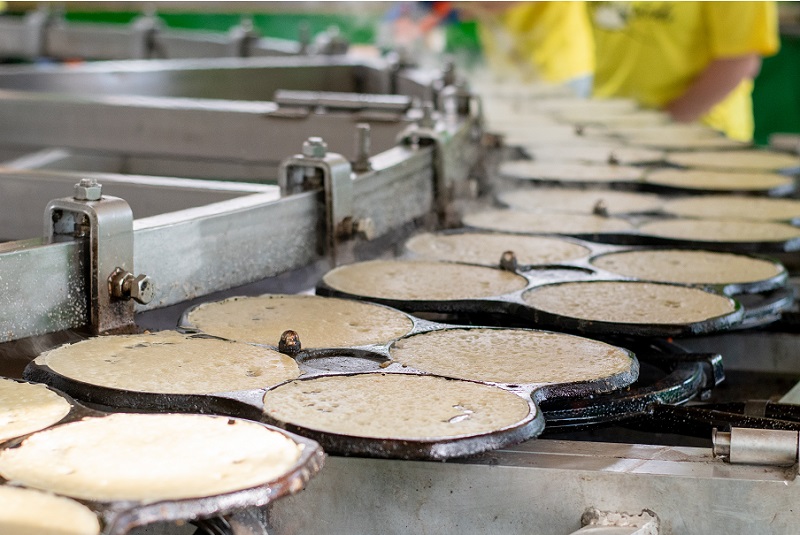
107 222
317 168
423 133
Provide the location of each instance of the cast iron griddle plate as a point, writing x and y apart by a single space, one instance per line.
120 516
393 283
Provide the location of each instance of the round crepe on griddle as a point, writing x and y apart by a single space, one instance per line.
593 154
168 362
395 406
688 266
422 280
150 457
570 172
730 231
730 207
717 180
31 512
512 356
319 321
736 160
26 407
486 249
627 302
544 223
579 201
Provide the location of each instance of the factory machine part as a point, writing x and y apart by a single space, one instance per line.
223 126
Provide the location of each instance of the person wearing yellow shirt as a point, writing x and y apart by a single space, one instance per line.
549 41
696 60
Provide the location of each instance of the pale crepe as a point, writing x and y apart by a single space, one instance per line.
579 201
26 407
570 172
31 512
544 223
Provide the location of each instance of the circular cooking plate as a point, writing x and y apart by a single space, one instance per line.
735 160
567 364
758 234
151 458
569 172
731 207
168 362
612 119
580 201
669 143
407 416
544 223
694 267
487 249
698 179
320 321
31 512
26 407
421 280
632 308
593 154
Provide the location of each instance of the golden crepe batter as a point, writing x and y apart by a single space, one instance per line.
168 362
579 201
593 154
26 407
570 172
511 356
150 457
486 249
422 280
708 230
31 512
689 267
730 207
629 302
717 180
738 160
319 321
544 223
395 406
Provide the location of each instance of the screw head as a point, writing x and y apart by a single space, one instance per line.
88 190
315 147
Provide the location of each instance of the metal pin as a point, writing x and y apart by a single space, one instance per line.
363 148
508 261
289 343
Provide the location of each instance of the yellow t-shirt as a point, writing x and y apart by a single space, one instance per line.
652 51
547 40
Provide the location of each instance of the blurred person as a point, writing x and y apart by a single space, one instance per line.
695 60
547 41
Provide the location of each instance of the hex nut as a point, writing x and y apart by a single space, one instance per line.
116 283
88 190
142 290
315 147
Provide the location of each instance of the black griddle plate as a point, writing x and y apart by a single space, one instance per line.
120 517
513 305
323 362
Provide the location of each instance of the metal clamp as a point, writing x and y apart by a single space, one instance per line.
107 222
317 168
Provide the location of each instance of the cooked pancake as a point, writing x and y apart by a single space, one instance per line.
595 105
422 280
612 119
486 249
676 144
319 321
737 160
689 267
395 406
570 172
544 223
730 207
629 302
150 457
170 363
511 356
593 154
717 180
579 201
710 230
30 512
26 407
669 132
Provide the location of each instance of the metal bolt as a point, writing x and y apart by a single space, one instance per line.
365 228
88 190
289 344
427 120
315 147
363 146
123 285
508 261
449 72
